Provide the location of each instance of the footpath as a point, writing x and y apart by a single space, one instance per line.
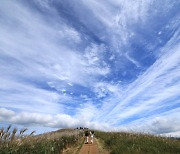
90 148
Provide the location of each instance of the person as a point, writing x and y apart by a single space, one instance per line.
92 136
87 136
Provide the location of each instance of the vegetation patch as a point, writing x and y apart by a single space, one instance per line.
14 142
138 143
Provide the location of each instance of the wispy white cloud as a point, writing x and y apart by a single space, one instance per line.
132 60
39 51
64 66
70 34
154 90
29 98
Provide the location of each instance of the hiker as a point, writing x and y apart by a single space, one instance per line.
87 136
92 135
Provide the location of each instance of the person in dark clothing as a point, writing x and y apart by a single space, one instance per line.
87 136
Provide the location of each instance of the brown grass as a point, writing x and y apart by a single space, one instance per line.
17 142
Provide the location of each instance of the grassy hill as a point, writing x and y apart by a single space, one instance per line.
13 141
128 143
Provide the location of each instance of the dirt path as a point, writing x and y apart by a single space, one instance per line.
90 148
82 148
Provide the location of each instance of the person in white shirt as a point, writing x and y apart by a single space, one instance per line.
92 136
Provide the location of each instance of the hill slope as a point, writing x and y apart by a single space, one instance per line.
138 143
55 142
52 142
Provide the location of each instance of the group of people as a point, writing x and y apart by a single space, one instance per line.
87 135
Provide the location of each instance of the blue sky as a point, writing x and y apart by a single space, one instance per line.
109 65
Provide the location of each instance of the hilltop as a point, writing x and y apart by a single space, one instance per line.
72 141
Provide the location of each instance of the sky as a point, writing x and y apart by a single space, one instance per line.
111 65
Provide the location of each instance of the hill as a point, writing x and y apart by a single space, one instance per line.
15 142
71 141
121 142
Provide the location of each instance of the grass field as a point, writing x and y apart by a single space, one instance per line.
13 141
122 143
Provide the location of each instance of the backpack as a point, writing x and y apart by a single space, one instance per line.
86 133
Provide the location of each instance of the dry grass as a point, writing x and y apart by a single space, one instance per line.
16 142
138 143
101 147
8 135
